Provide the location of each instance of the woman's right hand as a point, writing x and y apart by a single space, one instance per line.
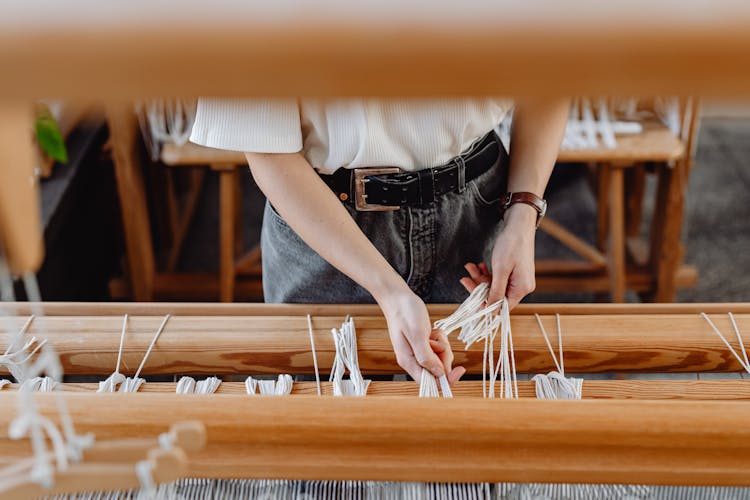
414 341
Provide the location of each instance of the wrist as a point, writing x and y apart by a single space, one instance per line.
521 215
389 288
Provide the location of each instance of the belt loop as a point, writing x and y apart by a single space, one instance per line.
461 167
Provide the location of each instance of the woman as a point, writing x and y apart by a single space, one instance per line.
389 200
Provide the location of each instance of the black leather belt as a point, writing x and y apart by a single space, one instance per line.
389 188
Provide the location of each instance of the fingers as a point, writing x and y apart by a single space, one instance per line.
427 358
468 283
476 272
440 346
405 357
456 374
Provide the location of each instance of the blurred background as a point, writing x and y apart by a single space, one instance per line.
648 202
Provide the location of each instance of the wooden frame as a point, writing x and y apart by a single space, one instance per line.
697 440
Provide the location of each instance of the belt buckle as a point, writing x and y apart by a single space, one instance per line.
360 197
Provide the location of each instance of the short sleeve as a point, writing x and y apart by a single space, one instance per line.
248 125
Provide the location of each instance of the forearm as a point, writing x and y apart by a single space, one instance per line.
538 128
313 211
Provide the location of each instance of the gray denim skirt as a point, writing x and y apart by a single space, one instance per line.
427 245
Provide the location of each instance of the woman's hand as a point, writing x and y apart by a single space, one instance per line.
414 341
512 259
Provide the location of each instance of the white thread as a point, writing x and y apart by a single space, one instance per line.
135 383
445 387
251 386
144 471
314 355
477 322
427 385
208 385
282 386
345 342
555 385
116 378
17 348
38 384
3 383
186 385
742 360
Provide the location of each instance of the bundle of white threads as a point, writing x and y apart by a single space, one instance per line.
18 352
479 322
428 385
555 385
345 341
188 385
282 386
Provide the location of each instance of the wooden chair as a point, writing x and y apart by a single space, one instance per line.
621 259
145 282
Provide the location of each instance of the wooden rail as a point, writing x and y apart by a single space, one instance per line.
338 48
281 344
699 390
399 438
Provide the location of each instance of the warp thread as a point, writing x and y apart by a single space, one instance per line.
479 322
345 341
555 385
282 386
188 385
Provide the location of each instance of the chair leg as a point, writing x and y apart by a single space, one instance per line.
616 251
666 231
227 225
602 209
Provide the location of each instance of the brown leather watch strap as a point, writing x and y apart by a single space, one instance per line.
539 204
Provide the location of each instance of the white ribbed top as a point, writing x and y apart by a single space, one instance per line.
350 133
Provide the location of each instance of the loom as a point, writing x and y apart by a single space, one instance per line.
655 432
623 432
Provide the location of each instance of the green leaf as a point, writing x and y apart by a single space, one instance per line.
50 139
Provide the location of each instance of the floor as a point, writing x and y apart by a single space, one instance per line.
717 227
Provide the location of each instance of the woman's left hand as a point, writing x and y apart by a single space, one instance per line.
512 259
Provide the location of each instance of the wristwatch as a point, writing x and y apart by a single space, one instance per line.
539 204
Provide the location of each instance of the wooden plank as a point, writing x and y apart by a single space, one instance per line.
280 344
213 309
20 225
338 48
474 440
715 388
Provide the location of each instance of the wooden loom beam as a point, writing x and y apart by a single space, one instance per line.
257 309
280 344
699 390
644 442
